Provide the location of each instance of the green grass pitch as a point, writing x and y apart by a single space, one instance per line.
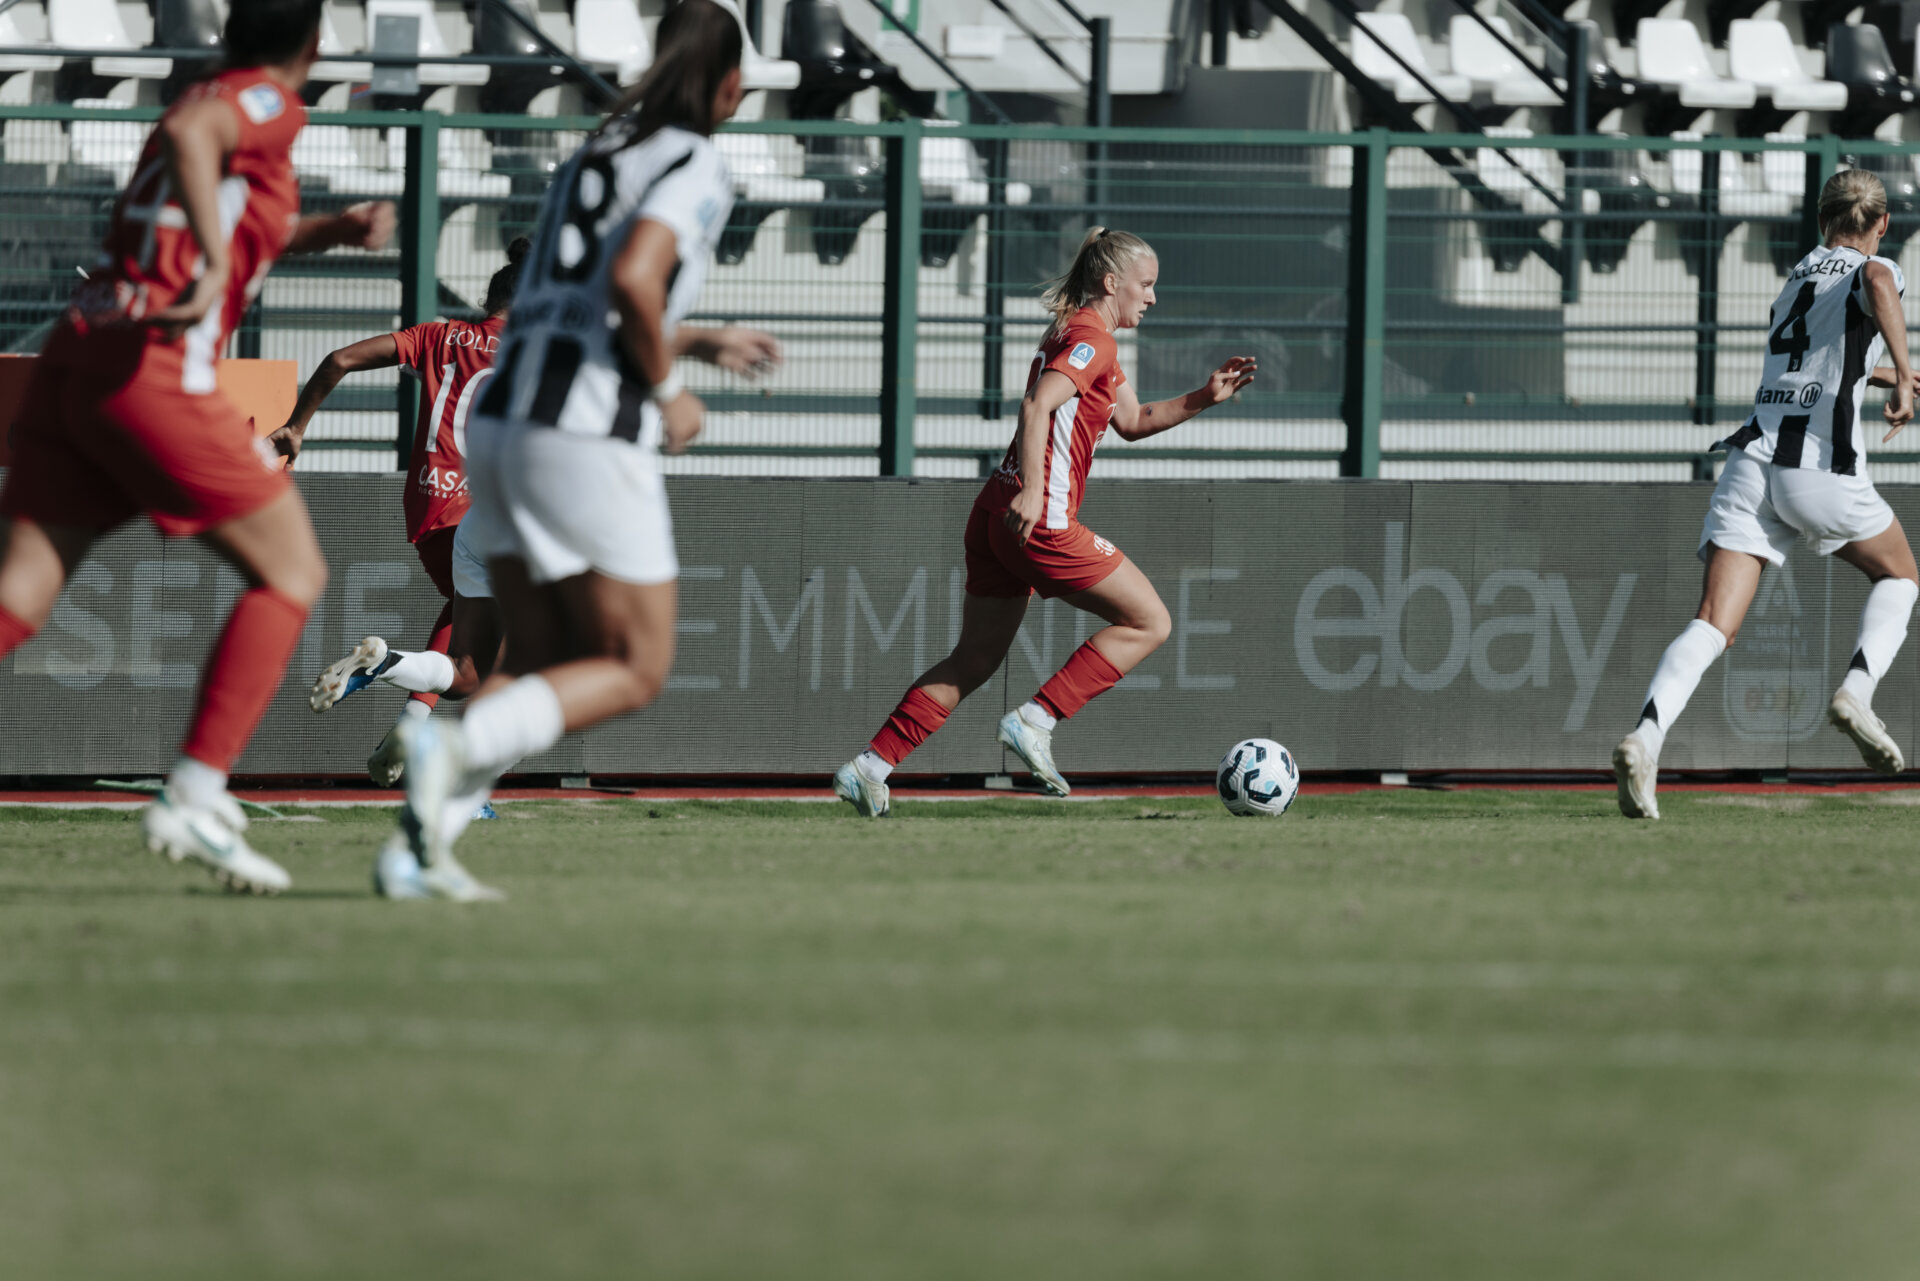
1403 1035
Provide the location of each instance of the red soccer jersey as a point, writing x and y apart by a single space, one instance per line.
150 256
453 359
1083 350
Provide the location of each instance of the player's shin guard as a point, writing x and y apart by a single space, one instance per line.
1883 629
13 633
913 722
439 643
1086 676
1678 675
242 675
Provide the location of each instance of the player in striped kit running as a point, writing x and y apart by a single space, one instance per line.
1024 534
1797 470
453 360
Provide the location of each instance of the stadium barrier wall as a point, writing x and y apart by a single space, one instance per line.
1367 625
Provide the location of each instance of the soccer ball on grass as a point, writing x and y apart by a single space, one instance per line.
1258 776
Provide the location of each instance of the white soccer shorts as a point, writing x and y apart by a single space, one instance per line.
1761 509
469 563
565 504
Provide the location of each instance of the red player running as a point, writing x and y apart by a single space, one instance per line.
122 415
1024 535
453 360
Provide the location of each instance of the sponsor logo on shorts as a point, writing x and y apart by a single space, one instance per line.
261 103
1104 547
1081 356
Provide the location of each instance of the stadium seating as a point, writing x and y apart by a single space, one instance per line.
1671 53
96 25
186 24
1762 52
108 147
608 36
330 67
432 42
1857 57
1379 32
12 37
1492 69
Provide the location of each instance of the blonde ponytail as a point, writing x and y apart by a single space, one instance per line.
1851 204
1103 252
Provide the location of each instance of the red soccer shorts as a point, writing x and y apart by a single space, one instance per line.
435 550
1053 562
105 432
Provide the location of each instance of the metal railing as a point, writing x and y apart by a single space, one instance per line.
1597 300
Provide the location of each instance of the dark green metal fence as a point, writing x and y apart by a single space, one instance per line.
1415 300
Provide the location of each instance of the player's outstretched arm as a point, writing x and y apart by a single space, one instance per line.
379 352
195 142
367 225
1883 304
639 279
1135 421
747 352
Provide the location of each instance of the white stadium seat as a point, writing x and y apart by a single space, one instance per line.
95 24
1671 53
608 35
1378 32
13 38
1486 62
109 145
1784 172
949 167
432 42
1762 52
330 68
1736 198
757 174
1509 176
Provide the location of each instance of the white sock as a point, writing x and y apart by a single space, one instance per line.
1037 716
1674 681
1883 627
425 672
414 707
461 808
196 782
873 765
520 720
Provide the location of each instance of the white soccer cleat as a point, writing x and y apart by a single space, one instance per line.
1637 772
872 799
1868 732
1034 746
183 832
386 766
348 676
448 879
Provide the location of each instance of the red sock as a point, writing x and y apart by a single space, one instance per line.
911 724
13 633
1086 676
242 674
441 642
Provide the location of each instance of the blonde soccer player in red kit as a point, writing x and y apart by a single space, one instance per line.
1024 534
122 415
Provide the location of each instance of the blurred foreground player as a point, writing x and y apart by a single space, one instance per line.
569 504
122 415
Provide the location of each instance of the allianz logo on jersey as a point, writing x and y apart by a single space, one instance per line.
1777 676
1808 396
1521 607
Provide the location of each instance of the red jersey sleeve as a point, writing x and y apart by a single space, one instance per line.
1086 355
418 344
270 117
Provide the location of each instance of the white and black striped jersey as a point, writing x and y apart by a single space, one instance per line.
561 363
1822 343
